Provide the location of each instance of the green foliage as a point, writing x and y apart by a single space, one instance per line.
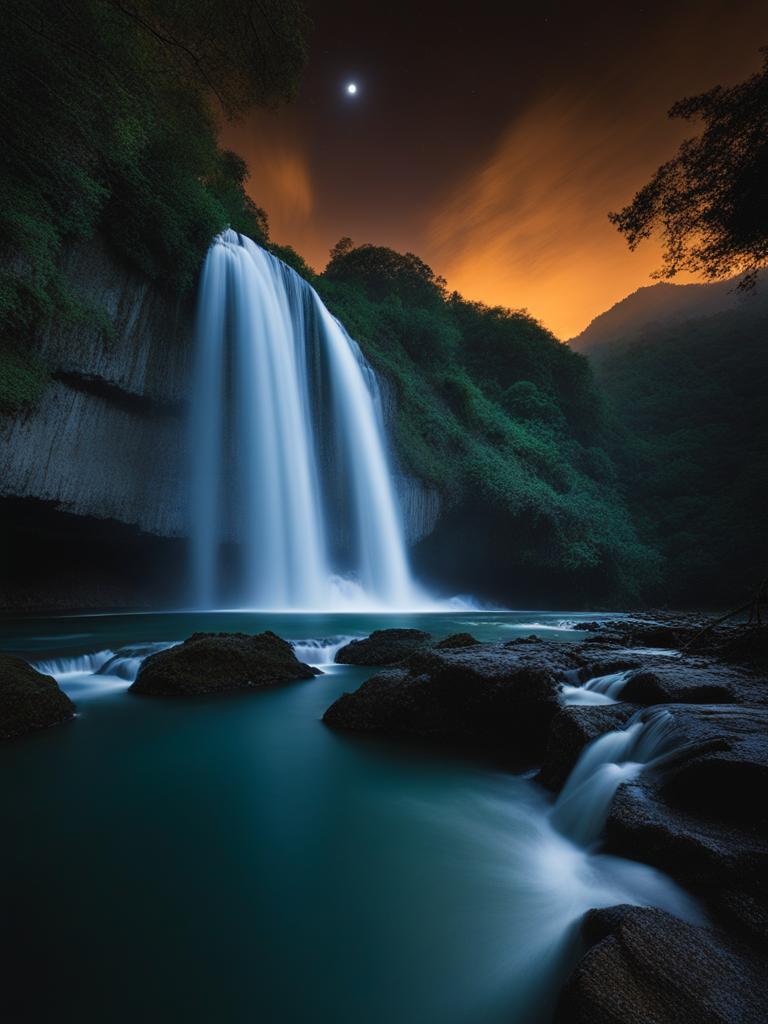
691 423
492 409
107 125
709 202
22 379
288 255
383 273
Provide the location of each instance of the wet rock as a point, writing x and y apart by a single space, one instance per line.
700 815
456 640
607 661
571 730
498 695
680 682
219 663
384 647
29 700
740 645
645 965
652 636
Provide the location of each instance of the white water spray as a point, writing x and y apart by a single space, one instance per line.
619 756
289 461
600 690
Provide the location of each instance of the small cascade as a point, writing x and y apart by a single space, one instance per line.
81 664
582 808
126 662
600 690
292 499
320 652
89 675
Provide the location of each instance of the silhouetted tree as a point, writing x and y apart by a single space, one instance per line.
710 202
243 51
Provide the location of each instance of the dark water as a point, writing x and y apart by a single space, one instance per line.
231 860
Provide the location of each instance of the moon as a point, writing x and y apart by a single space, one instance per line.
351 88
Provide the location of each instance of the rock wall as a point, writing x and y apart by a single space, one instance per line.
420 504
107 439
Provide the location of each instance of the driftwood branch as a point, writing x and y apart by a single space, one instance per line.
752 606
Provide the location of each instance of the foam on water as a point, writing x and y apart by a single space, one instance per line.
600 690
90 675
616 757
320 653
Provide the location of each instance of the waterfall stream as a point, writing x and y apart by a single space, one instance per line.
616 757
290 469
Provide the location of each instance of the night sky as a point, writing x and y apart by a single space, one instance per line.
492 145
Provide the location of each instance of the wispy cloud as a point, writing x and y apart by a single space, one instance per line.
280 177
529 226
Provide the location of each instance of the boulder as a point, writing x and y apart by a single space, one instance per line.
501 696
29 700
645 965
701 816
740 645
220 663
384 647
456 640
652 635
673 681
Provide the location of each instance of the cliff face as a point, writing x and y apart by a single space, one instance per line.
107 438
420 504
103 454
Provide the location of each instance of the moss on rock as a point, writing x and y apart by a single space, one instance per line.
220 663
28 699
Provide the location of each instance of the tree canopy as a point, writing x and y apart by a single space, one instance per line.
108 122
710 202
503 419
383 272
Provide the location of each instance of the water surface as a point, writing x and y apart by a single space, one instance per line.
230 859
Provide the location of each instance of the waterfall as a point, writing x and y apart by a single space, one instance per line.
289 462
619 756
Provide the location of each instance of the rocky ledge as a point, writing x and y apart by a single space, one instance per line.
221 663
384 647
501 695
29 700
391 646
645 965
701 816
696 813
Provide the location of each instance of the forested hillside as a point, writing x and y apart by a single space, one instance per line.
689 401
661 304
506 422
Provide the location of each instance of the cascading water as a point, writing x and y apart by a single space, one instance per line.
600 690
289 461
85 676
619 756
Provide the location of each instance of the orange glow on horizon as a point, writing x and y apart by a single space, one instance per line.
527 225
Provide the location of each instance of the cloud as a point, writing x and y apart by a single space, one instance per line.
528 227
280 178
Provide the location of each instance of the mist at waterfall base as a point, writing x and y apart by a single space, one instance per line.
290 471
230 858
